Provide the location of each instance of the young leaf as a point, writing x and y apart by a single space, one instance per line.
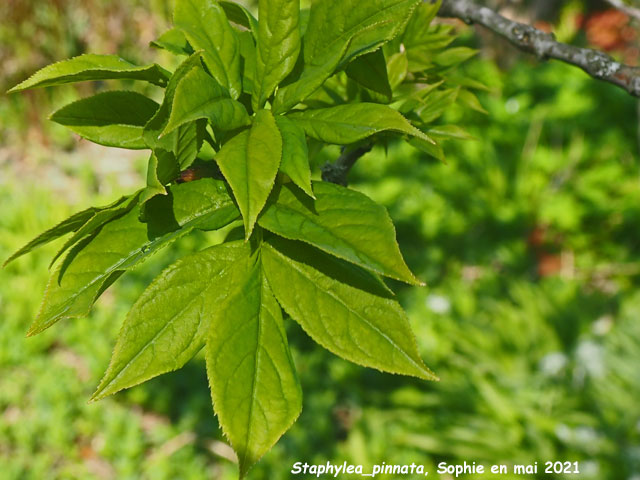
454 56
338 32
255 390
173 41
278 46
236 13
250 162
430 148
311 79
362 26
397 68
165 166
470 100
352 318
370 71
93 67
197 96
174 151
248 52
125 242
170 321
295 154
71 224
341 222
350 123
113 119
161 165
206 27
414 33
157 124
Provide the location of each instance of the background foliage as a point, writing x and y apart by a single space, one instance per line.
527 238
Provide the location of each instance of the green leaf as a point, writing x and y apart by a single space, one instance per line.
206 27
311 79
174 41
93 67
178 149
162 165
430 148
362 26
278 46
454 56
236 13
398 68
170 321
445 132
248 52
470 100
295 154
250 162
255 390
341 222
71 224
349 316
157 124
350 123
113 119
370 71
125 242
165 166
101 217
197 96
338 32
436 104
417 30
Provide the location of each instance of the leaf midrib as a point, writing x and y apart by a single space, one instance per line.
348 308
170 321
356 29
60 311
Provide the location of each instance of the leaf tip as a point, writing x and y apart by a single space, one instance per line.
32 332
427 374
96 397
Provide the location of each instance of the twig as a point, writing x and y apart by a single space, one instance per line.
337 172
624 8
544 45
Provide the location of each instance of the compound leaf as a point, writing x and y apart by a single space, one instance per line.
352 318
255 389
124 242
338 32
93 67
342 222
250 162
113 119
169 323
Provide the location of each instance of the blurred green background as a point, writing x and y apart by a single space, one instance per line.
528 238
